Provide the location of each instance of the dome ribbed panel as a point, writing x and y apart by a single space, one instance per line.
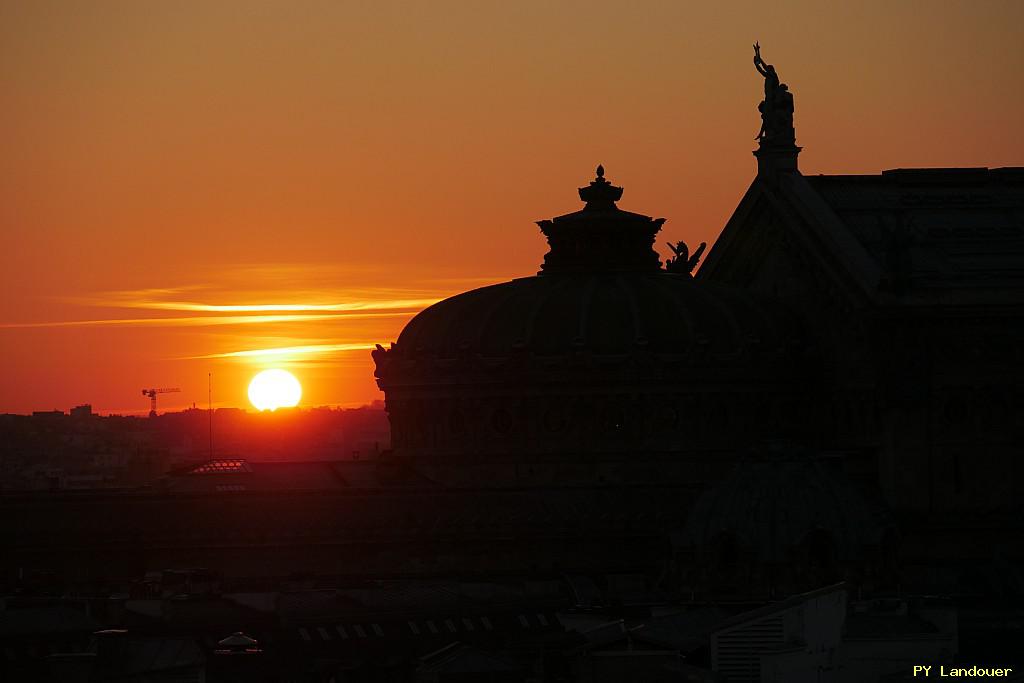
451 325
507 325
556 318
666 325
610 327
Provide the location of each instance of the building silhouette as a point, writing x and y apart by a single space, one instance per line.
795 462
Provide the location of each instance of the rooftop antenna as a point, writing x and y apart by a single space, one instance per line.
209 400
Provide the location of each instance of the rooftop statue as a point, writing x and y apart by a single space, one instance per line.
683 262
776 108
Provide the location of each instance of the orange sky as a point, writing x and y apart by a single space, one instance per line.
166 167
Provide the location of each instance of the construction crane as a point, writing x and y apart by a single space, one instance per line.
152 397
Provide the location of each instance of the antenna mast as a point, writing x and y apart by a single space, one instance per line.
209 400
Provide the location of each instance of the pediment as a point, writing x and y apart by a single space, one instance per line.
777 245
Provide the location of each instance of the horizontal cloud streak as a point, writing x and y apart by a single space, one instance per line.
289 351
410 304
266 304
203 321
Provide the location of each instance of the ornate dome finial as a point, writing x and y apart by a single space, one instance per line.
600 236
600 194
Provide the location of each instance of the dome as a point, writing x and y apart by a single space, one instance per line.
602 344
603 313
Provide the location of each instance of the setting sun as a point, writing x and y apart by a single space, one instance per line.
273 389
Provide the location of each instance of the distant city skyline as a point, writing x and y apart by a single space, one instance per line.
225 187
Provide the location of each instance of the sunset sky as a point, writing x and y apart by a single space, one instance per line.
222 187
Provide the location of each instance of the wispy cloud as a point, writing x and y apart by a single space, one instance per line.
289 351
253 294
202 320
407 304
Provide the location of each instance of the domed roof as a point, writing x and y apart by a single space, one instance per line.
603 313
602 352
601 291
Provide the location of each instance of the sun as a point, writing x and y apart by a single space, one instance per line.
273 389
